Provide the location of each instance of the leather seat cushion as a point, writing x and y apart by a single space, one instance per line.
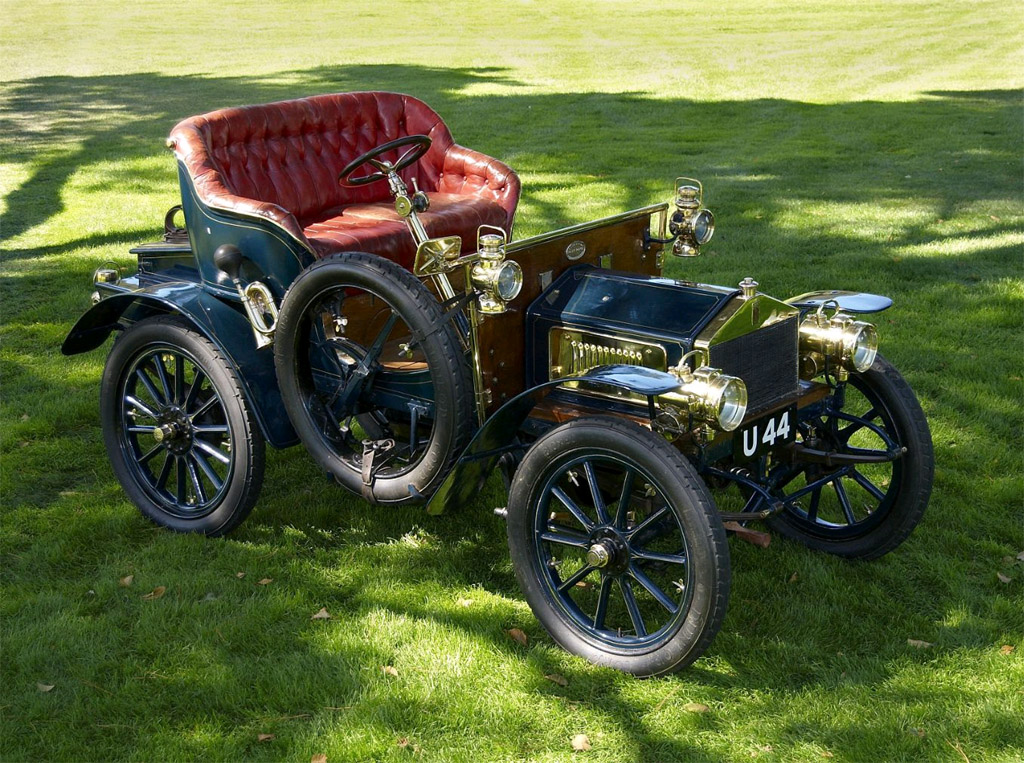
377 229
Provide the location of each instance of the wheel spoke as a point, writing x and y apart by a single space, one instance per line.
151 453
204 408
179 472
844 500
141 430
654 517
575 510
655 556
161 374
565 537
134 401
631 606
148 384
207 470
210 428
193 390
868 485
179 379
625 496
653 589
165 471
602 602
595 493
576 577
215 452
197 484
812 512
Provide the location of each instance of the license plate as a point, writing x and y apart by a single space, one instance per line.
762 435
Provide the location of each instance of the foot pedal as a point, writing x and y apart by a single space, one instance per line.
754 537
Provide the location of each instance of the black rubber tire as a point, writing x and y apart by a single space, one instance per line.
247 448
910 430
455 418
694 512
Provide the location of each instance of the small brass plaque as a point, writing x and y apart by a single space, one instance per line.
575 250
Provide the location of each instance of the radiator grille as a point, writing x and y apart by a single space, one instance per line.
766 360
583 356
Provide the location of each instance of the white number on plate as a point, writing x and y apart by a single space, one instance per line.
771 433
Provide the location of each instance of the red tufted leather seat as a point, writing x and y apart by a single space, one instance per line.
281 161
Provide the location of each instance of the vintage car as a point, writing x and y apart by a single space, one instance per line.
346 278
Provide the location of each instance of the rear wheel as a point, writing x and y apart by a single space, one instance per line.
373 379
178 431
617 546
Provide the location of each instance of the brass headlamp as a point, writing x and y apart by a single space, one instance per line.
709 394
691 224
498 280
839 339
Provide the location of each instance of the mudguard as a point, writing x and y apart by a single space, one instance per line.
479 458
848 301
220 322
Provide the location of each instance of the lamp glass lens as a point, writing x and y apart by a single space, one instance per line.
703 226
509 281
732 405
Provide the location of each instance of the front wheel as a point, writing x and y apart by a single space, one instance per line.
179 434
617 546
865 510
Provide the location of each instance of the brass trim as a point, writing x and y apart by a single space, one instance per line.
742 316
543 238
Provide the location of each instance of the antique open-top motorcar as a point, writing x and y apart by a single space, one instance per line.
345 278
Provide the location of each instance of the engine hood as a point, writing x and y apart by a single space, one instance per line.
598 302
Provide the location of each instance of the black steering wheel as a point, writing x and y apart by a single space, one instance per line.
419 143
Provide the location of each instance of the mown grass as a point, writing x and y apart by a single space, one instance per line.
870 146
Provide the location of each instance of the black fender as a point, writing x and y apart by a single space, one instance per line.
222 323
479 458
848 301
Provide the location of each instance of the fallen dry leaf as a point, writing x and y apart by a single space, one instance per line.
518 636
465 602
920 733
1003 578
403 742
793 578
827 754
156 593
323 614
695 707
390 670
919 644
44 687
239 575
1020 556
1006 649
264 737
265 581
321 758
126 581
580 743
560 680
25 417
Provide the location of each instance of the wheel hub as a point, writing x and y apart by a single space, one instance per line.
174 431
608 551
599 554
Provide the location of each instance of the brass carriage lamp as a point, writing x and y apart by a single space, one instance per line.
844 342
691 224
498 280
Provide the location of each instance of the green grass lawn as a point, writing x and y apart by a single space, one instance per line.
873 146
